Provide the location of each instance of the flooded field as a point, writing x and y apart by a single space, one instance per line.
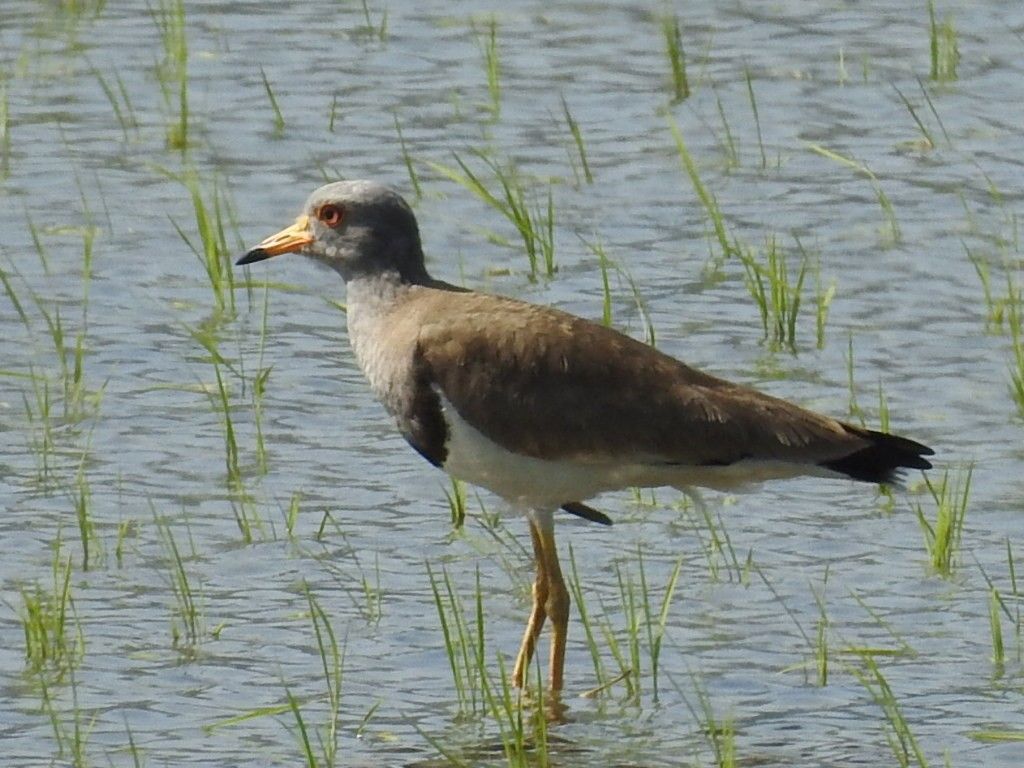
215 549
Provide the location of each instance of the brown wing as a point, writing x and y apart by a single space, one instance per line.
550 385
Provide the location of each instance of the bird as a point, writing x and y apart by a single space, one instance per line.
547 409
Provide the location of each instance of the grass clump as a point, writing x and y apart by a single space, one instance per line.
5 134
676 57
172 71
487 41
901 738
775 291
942 45
726 242
213 212
275 107
892 230
942 538
1017 342
53 636
414 179
532 217
636 646
332 659
187 616
121 104
374 29
581 149
520 716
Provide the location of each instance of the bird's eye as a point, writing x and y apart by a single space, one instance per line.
330 214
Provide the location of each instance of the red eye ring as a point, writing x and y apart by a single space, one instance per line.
330 214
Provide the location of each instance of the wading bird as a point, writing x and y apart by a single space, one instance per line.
546 409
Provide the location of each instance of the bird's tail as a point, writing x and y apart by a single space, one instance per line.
882 459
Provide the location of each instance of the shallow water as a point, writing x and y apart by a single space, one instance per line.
153 449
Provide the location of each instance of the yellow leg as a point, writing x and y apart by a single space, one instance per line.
538 613
556 606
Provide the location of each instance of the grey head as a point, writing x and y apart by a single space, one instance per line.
361 229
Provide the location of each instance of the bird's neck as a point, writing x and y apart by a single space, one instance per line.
370 308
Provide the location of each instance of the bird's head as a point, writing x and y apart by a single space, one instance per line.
358 228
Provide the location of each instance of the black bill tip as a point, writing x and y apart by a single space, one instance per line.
251 257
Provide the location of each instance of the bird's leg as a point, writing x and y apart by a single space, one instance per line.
557 609
537 614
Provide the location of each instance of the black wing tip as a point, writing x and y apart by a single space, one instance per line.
580 509
883 460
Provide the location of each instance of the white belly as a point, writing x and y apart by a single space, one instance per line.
540 484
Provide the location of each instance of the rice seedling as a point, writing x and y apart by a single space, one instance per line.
902 646
720 732
332 116
332 659
928 141
883 410
54 641
379 31
414 180
213 210
12 295
71 738
1016 322
125 529
579 600
487 41
844 76
775 292
133 748
676 57
606 266
275 107
892 225
121 104
5 133
457 503
821 657
942 538
729 148
40 419
725 241
996 630
81 7
172 71
78 402
522 726
757 118
259 386
656 628
186 617
222 403
464 649
853 407
717 547
86 530
41 251
636 645
1008 607
822 302
997 307
534 221
581 149
997 736
898 734
942 44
